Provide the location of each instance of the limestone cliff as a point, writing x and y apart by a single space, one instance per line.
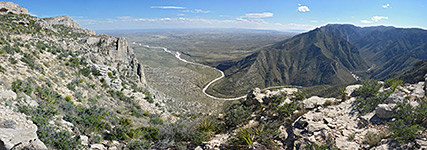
12 8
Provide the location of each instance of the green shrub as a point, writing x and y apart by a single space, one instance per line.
373 139
408 121
149 98
73 84
156 121
85 71
67 98
12 60
88 119
246 136
102 80
96 72
21 86
237 114
2 70
29 60
329 145
300 95
57 138
138 145
368 96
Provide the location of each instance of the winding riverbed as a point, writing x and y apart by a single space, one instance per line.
178 56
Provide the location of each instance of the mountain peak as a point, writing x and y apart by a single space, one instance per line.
10 7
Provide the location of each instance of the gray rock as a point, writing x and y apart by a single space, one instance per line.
10 7
343 144
254 97
85 140
394 98
314 101
316 126
350 89
97 147
8 95
385 111
17 131
8 124
422 142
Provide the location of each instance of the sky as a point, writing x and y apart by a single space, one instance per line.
283 15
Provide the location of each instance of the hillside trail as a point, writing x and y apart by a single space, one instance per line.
178 56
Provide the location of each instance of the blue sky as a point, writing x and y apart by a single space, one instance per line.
282 15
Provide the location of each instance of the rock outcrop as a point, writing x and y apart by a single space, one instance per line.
66 21
12 8
16 132
63 20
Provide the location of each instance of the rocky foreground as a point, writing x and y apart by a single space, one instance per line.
329 123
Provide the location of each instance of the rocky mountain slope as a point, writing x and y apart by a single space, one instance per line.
64 87
333 54
388 49
313 58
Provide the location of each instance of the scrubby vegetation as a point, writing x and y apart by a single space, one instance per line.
368 96
409 121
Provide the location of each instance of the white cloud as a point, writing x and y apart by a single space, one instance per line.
314 21
182 22
259 15
168 7
374 19
302 8
378 18
181 14
385 6
33 14
197 11
365 21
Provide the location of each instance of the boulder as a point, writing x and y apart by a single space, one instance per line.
84 139
97 147
394 98
343 144
314 101
254 97
385 111
18 132
7 95
350 89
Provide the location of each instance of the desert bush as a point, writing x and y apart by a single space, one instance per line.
29 60
156 120
96 72
329 145
85 71
57 138
373 139
368 95
408 121
237 114
2 70
300 95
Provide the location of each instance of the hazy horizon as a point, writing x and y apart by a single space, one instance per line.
248 14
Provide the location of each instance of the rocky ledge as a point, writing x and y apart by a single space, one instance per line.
11 8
